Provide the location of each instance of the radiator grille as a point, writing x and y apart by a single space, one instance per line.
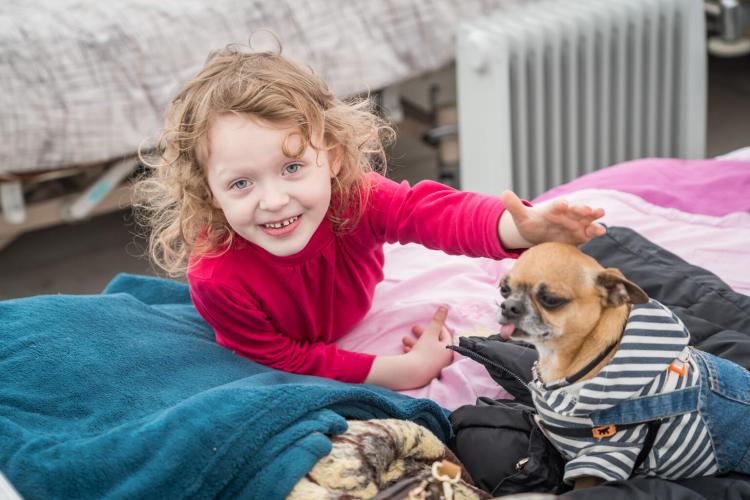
551 90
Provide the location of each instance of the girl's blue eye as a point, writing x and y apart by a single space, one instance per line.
292 168
240 184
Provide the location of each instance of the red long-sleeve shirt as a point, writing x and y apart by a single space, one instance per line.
285 312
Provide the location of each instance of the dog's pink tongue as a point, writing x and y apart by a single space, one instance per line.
507 330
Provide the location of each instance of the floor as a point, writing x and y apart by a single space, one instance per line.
83 258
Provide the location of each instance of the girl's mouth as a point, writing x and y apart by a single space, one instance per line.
281 228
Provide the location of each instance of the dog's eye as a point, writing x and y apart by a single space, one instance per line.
504 290
550 301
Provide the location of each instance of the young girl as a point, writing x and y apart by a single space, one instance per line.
265 193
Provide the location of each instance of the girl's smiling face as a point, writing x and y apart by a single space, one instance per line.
268 198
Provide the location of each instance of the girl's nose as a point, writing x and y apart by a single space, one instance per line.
272 198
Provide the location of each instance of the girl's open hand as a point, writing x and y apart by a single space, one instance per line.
554 221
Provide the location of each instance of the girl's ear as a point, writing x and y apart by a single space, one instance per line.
211 198
334 161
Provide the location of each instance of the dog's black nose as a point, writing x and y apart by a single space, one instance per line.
512 308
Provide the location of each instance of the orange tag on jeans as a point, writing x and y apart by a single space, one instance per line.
679 370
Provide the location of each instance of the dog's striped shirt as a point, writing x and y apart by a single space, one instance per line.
652 339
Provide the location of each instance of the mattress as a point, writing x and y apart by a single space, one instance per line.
85 81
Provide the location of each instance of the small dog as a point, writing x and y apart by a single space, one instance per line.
617 388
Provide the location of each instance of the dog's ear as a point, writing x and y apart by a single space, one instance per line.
619 289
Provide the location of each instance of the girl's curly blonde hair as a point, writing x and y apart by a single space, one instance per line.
173 200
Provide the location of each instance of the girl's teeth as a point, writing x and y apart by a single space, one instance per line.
279 225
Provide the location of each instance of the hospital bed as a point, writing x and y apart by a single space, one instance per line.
85 83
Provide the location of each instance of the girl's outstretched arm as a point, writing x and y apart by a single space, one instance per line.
422 362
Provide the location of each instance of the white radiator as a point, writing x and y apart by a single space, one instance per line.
551 90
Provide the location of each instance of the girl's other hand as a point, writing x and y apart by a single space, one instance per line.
425 354
427 346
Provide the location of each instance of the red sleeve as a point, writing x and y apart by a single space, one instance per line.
438 217
242 327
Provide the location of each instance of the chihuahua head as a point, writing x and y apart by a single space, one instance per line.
556 295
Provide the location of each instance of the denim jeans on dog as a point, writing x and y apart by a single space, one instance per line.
722 399
725 407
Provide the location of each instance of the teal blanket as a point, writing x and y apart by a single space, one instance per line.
125 394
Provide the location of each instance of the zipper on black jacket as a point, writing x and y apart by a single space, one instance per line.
487 362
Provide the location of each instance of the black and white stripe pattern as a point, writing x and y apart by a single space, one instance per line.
652 339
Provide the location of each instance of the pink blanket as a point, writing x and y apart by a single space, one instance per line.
699 210
710 187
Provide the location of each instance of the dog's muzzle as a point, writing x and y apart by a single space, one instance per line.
512 309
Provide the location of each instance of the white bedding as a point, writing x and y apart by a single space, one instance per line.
85 81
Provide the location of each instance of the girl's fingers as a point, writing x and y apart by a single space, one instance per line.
565 221
514 205
408 343
438 320
446 334
582 211
561 207
436 328
596 230
586 213
440 315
